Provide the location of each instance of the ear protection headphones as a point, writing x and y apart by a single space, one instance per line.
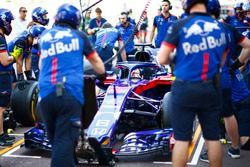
170 6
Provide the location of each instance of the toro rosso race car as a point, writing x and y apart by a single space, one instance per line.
130 117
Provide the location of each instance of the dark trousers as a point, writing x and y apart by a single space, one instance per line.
61 116
34 64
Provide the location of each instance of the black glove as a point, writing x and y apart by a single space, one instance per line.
20 77
236 64
28 75
101 77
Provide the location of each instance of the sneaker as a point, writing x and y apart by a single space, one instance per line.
6 137
204 157
233 153
4 142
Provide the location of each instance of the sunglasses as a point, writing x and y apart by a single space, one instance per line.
24 11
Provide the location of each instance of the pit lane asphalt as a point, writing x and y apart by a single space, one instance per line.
21 157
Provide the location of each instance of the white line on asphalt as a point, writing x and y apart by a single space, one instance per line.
198 151
23 156
11 151
16 134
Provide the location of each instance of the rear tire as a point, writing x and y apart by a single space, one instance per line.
166 111
24 101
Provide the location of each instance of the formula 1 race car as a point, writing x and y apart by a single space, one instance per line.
129 117
130 120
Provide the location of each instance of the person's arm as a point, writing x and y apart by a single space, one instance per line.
168 45
163 56
5 59
96 62
123 52
92 29
152 34
245 53
28 62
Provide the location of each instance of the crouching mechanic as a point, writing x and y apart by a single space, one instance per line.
5 72
61 81
105 42
21 46
39 17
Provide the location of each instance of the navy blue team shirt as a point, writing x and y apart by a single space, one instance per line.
239 88
108 37
200 42
3 48
62 50
126 33
95 23
162 23
235 38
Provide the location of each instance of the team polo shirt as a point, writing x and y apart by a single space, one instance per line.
126 32
235 22
235 38
200 42
62 50
95 23
107 37
3 48
239 87
162 23
247 67
20 42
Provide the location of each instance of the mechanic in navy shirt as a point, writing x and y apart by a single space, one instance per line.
201 47
106 38
246 69
235 38
95 24
162 23
127 29
39 17
61 81
24 43
5 72
236 20
241 99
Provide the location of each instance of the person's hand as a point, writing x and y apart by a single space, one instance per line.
28 75
17 52
20 77
101 77
95 29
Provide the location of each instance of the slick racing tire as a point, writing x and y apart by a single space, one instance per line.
166 111
24 101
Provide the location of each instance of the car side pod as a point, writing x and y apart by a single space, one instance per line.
23 102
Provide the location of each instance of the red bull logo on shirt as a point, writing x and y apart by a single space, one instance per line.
201 27
208 42
61 47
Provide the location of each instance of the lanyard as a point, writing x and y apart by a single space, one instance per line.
98 23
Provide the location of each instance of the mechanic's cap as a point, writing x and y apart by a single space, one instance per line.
38 15
246 7
68 14
36 30
214 8
238 5
5 20
188 4
107 25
